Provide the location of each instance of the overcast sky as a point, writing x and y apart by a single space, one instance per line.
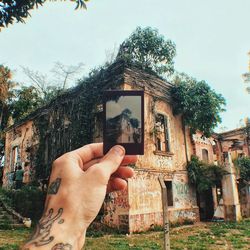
133 103
212 40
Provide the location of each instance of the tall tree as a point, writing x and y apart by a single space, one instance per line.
50 86
11 10
148 48
65 73
6 94
39 80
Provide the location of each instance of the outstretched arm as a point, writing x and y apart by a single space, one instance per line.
78 184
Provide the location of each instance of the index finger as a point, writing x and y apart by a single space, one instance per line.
92 153
88 152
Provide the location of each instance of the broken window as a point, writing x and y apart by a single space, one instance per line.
205 155
15 157
98 129
169 193
162 133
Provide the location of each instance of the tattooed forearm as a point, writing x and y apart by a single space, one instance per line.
42 235
61 246
54 186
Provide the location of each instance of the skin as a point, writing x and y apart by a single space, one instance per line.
79 182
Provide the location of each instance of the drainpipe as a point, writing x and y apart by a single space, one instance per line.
185 138
248 136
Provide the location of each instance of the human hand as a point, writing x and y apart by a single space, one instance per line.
78 184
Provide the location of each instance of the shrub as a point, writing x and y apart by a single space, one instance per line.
243 165
28 201
204 176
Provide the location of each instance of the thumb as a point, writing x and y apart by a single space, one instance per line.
108 164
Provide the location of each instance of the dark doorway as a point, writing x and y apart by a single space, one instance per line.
206 206
169 187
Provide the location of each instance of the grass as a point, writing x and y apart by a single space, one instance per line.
11 239
204 236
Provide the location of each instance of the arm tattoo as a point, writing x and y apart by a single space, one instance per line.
54 186
42 236
61 246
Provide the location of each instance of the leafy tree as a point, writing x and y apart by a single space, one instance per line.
243 164
6 94
199 105
134 122
27 100
148 48
126 113
204 176
14 10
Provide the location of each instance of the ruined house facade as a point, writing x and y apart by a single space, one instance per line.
232 145
140 207
75 118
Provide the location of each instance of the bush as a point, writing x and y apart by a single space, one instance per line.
203 175
28 201
243 165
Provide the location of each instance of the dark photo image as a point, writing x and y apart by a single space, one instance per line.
123 119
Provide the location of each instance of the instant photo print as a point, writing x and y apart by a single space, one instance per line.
124 120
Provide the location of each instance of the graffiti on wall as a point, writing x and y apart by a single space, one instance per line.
145 193
184 197
163 162
181 188
185 214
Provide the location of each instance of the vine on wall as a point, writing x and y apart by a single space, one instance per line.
204 176
78 108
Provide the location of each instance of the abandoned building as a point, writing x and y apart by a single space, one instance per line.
234 144
75 118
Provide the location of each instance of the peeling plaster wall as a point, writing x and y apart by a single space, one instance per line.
144 209
201 143
145 200
116 210
23 138
244 194
173 160
241 135
235 143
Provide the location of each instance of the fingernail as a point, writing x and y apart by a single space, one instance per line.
119 150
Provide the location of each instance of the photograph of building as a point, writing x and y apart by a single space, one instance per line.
123 120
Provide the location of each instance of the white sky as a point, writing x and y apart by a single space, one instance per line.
133 103
212 40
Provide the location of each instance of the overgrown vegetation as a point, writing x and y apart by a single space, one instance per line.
145 48
150 50
243 165
79 106
6 94
204 176
28 201
199 105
